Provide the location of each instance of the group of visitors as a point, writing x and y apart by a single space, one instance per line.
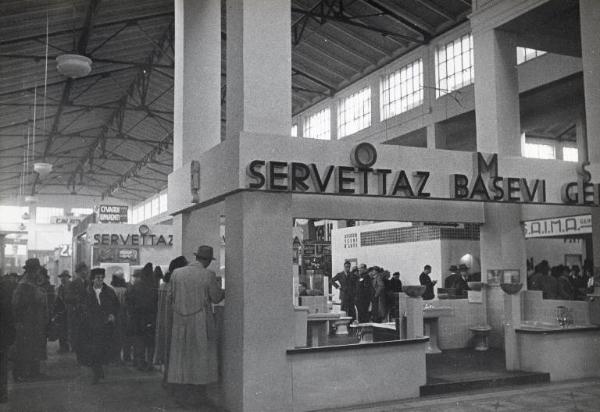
368 294
158 319
561 281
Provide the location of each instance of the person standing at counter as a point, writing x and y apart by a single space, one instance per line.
346 281
364 294
426 281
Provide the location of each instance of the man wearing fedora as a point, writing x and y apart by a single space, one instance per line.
193 352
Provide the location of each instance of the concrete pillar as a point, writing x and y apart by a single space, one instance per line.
414 317
589 12
512 314
259 316
2 255
429 94
496 93
502 242
333 120
197 84
502 246
431 139
581 137
259 66
375 101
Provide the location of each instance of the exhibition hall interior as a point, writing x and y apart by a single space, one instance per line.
377 203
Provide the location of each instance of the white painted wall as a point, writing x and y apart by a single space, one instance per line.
406 258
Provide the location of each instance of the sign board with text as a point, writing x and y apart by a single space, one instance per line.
112 214
560 226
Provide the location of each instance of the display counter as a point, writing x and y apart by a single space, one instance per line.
565 352
334 376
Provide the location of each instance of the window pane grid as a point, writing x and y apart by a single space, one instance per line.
539 151
318 125
12 214
402 90
295 130
570 154
454 65
524 54
44 215
354 112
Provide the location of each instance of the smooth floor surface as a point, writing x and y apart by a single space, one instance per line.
67 388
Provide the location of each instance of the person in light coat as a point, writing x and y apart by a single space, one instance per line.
193 351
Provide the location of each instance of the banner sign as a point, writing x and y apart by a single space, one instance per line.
560 226
112 214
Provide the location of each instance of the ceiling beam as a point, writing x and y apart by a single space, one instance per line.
407 19
436 9
97 26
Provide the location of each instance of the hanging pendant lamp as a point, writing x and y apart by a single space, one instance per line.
73 65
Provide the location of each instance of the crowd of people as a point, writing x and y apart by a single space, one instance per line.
157 319
561 281
368 294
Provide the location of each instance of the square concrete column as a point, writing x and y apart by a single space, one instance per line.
502 242
259 314
197 84
414 317
496 93
259 67
502 246
589 12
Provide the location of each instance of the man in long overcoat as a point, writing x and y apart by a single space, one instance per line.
30 308
97 329
193 352
346 282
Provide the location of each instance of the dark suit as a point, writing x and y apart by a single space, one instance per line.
347 285
426 281
96 332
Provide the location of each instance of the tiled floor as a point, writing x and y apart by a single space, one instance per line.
68 389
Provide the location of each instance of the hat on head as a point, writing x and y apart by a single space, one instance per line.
80 267
33 263
119 273
137 273
463 267
64 274
453 268
205 252
97 271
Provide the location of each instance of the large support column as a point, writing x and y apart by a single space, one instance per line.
496 93
2 255
502 245
259 66
259 318
197 108
589 11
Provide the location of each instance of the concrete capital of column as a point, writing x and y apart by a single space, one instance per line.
496 13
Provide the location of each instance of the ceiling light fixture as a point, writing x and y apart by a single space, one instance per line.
73 65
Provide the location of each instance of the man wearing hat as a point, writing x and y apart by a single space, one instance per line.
193 352
30 310
74 298
98 328
59 313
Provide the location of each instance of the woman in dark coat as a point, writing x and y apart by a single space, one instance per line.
30 307
98 327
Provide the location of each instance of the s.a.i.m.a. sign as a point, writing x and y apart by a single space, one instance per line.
558 227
